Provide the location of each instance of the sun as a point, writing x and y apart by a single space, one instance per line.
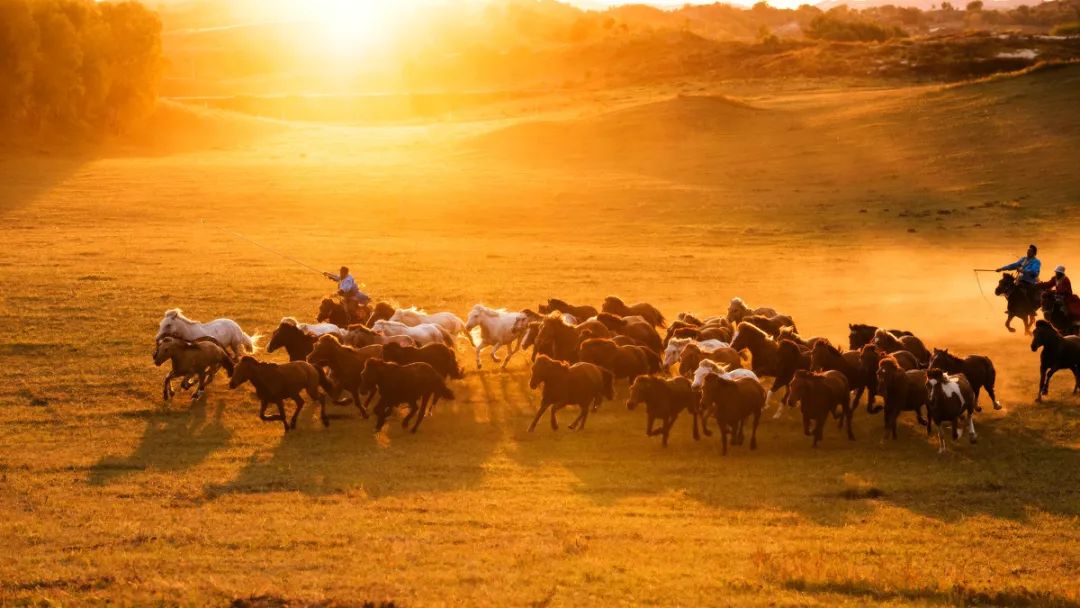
350 27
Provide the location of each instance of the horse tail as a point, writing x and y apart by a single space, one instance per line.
250 343
609 384
443 391
227 363
324 382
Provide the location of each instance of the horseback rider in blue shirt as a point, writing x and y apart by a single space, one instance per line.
1028 268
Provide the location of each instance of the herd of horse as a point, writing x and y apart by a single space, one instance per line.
725 368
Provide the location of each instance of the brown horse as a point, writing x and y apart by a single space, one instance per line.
616 306
416 385
346 366
825 356
739 310
890 342
634 327
359 336
578 312
664 400
901 391
582 384
334 310
199 359
560 341
296 342
791 357
860 335
274 383
692 356
764 349
731 403
771 325
977 369
622 361
821 394
439 356
1022 301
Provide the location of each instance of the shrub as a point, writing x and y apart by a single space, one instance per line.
850 29
1066 29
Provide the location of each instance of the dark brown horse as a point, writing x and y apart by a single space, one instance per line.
890 342
416 385
901 391
622 361
333 310
791 357
274 383
439 356
1022 301
296 342
346 367
820 394
579 313
978 370
582 384
664 400
1058 352
825 356
616 306
771 325
731 403
860 335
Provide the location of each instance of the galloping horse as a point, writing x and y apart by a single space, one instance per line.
1020 304
226 331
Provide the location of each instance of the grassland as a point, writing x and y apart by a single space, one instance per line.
801 196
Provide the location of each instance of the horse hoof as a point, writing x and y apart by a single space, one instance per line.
974 440
998 406
1011 330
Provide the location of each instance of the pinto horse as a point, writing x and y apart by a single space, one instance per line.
1020 302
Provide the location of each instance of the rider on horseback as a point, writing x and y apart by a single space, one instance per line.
349 291
1028 268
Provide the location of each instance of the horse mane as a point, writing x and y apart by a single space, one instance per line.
488 311
176 313
556 302
827 345
754 329
615 300
419 311
616 319
290 321
718 367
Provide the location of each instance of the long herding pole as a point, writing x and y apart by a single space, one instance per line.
261 246
979 283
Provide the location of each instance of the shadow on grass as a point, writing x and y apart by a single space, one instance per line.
957 595
1013 472
174 440
446 454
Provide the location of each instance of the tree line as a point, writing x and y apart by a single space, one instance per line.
77 64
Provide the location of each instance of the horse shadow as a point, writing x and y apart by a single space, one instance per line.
174 440
1012 473
447 454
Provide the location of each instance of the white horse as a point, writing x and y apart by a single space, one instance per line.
414 316
423 334
498 328
226 331
315 329
708 367
676 346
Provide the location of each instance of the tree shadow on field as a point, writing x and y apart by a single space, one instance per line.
174 440
446 454
1013 472
25 177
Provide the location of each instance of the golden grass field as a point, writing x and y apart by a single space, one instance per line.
798 195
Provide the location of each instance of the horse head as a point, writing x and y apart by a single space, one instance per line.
1005 285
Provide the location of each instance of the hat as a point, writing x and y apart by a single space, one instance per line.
1060 269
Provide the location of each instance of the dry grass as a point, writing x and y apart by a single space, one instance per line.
109 495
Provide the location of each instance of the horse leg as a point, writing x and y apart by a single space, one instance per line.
281 411
993 397
360 405
554 422
479 347
383 411
668 423
723 439
753 430
322 411
513 349
540 412
579 424
694 417
423 413
1008 323
705 425
849 414
299 406
202 386
495 349
806 424
780 405
166 391
649 420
